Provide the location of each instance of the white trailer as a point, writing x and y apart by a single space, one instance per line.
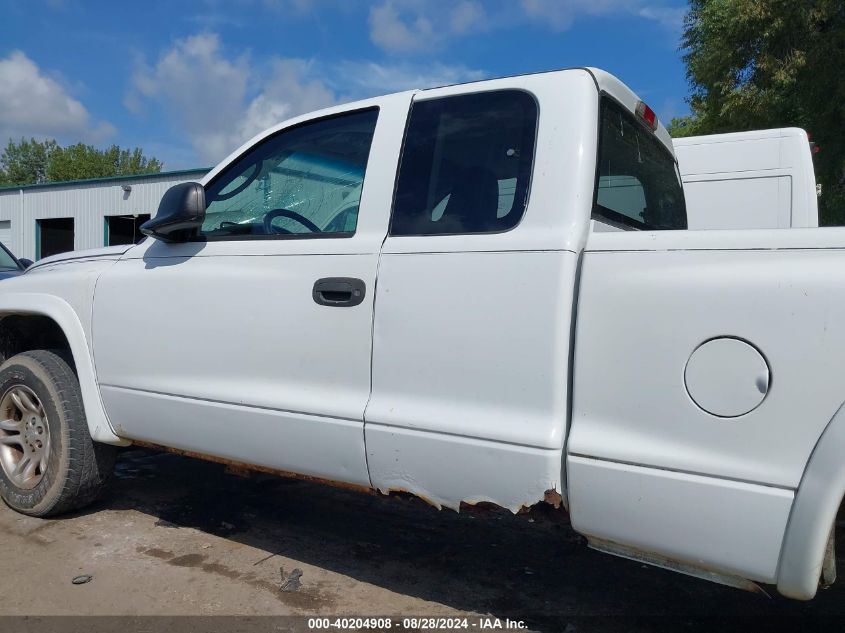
762 179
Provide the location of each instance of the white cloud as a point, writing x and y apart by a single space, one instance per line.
33 104
410 26
220 100
291 89
670 17
416 26
200 89
560 14
367 78
466 16
392 32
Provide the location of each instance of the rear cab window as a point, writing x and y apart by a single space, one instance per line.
638 185
466 164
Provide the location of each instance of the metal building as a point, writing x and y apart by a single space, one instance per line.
41 220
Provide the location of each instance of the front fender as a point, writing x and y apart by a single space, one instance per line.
813 513
64 315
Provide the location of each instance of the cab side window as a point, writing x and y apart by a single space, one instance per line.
466 164
303 182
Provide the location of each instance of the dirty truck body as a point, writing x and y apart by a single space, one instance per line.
475 293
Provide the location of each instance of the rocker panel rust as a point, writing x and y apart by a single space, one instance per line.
550 507
240 468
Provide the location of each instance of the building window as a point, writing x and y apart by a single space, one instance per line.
55 235
124 229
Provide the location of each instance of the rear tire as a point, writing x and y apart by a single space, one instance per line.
48 462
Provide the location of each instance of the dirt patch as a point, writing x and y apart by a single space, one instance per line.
303 598
157 545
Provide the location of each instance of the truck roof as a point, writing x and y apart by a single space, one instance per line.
779 148
733 137
613 86
605 82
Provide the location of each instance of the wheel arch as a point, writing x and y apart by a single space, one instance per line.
814 510
60 312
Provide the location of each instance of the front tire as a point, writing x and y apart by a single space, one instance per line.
48 462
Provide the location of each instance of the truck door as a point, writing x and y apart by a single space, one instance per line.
473 303
253 341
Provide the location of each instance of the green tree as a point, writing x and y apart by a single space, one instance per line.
755 64
25 162
85 161
32 161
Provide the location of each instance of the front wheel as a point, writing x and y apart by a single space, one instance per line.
48 462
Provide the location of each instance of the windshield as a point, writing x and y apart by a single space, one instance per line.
638 184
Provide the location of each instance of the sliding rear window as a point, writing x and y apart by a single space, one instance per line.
638 184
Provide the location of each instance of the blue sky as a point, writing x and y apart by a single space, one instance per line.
189 80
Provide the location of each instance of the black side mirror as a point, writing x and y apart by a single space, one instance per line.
180 213
26 263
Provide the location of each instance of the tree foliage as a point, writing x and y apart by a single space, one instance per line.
755 64
25 162
32 162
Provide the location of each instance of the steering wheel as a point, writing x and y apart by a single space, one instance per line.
269 229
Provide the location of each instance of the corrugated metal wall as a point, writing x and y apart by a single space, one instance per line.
87 203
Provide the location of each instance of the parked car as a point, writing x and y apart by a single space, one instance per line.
476 293
745 180
11 266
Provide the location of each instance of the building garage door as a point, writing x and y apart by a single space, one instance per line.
124 229
54 236
6 233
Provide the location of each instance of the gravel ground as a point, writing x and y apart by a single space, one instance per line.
177 536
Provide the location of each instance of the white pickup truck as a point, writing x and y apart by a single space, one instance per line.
475 293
